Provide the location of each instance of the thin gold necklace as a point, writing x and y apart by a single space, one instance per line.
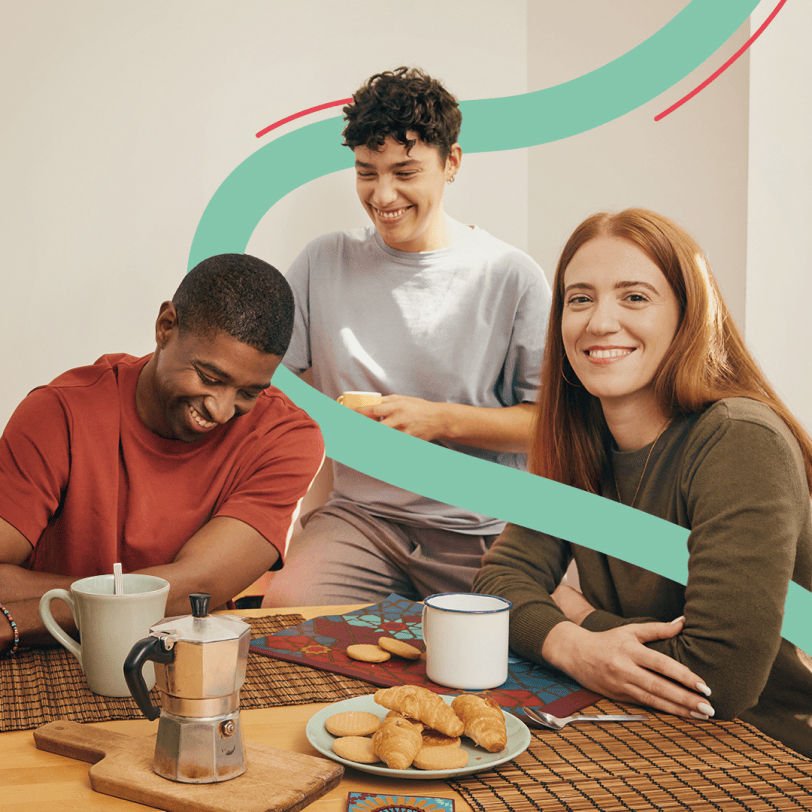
640 482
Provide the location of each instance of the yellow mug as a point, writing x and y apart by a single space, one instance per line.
357 400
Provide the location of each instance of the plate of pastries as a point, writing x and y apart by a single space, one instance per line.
410 732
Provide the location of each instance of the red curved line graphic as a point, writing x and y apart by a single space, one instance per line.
300 114
725 66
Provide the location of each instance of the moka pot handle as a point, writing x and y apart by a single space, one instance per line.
158 650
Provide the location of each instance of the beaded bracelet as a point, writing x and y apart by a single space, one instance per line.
14 629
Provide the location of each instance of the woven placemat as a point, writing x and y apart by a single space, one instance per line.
667 763
323 642
43 685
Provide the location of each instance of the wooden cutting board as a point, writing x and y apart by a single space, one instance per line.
274 780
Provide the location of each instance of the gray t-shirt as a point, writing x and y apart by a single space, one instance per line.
464 324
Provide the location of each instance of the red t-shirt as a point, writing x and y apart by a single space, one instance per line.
88 484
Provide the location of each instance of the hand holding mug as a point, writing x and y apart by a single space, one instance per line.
359 400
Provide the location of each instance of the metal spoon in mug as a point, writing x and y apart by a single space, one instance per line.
548 720
118 580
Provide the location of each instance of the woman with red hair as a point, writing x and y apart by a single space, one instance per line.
649 397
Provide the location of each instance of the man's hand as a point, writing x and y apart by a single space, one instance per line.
503 428
572 603
414 416
618 664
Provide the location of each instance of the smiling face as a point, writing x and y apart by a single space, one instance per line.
619 319
403 192
194 384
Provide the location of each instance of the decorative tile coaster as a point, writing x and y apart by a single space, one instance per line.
322 641
370 802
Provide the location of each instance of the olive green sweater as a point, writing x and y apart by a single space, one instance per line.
733 475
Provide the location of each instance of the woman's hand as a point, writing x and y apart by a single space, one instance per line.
618 664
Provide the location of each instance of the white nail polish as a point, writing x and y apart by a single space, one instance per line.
702 688
706 708
678 619
699 716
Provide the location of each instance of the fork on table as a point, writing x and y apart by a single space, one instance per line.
556 723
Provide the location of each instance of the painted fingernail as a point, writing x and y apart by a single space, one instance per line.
702 688
678 619
699 715
706 708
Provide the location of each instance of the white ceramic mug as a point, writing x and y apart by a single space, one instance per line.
466 637
356 400
109 625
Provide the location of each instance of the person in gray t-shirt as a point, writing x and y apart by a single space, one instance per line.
446 321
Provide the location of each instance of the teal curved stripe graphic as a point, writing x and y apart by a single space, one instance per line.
531 119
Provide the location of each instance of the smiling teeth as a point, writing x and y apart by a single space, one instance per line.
614 353
204 424
390 215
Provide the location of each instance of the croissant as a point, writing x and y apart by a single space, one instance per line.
421 704
484 721
397 742
418 724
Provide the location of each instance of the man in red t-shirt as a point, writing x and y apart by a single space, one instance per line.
186 463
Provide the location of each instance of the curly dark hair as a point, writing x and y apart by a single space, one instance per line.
241 296
396 102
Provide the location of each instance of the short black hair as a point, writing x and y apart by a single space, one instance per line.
240 295
396 102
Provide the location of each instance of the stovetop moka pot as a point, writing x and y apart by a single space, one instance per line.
200 662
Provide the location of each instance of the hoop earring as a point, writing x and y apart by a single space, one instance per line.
451 179
577 385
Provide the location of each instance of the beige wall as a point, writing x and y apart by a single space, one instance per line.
779 280
120 120
690 166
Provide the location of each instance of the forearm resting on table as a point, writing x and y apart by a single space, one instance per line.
618 664
185 580
20 593
31 629
223 557
19 584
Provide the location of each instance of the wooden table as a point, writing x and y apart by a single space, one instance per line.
663 763
34 781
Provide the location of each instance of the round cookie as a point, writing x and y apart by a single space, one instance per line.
367 653
355 748
440 758
399 648
353 723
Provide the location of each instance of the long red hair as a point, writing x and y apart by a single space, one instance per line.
707 359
